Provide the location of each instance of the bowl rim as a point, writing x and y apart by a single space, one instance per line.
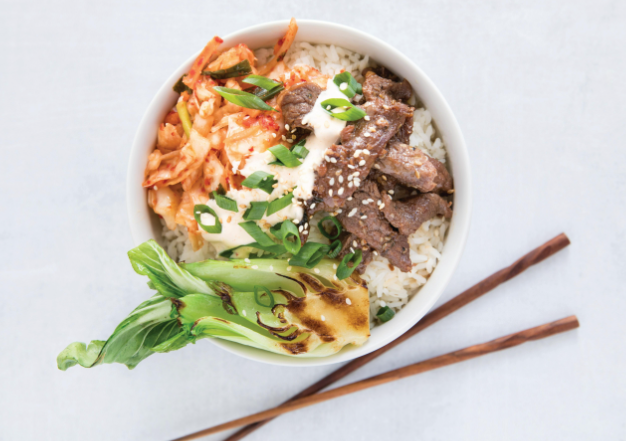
456 235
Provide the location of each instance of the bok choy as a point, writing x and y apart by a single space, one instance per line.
296 311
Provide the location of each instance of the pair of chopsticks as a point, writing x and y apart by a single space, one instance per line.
311 396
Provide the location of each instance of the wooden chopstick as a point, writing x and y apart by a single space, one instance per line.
533 257
468 353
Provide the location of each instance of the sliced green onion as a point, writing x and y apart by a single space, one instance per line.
198 210
284 155
183 114
181 87
325 233
273 250
287 231
276 230
310 255
352 86
262 82
385 314
335 248
256 211
224 202
267 94
243 99
267 292
262 180
257 233
350 112
276 163
279 204
344 271
238 70
299 150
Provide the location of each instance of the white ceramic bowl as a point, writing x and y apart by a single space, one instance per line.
144 225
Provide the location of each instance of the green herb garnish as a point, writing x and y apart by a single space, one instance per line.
262 82
256 211
262 180
310 255
325 233
257 233
285 156
243 99
238 70
385 314
335 248
181 87
198 210
352 87
279 204
183 114
268 293
299 150
344 271
289 231
348 112
225 202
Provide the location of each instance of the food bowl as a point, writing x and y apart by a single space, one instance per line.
145 225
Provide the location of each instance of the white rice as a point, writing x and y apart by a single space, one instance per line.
387 287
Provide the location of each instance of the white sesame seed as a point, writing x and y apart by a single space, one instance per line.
340 179
339 211
317 270
246 260
255 267
343 86
365 201
357 152
312 206
288 268
293 131
356 173
327 158
390 192
300 228
244 312
271 267
381 206
350 185
366 152
327 107
375 253
332 181
354 243
324 318
376 166
352 213
351 250
366 135
306 225
284 138
333 160
362 162
335 277
366 117
330 192
350 198
340 192
273 135
334 266
350 177
350 166
364 217
305 232
290 141
287 127
348 301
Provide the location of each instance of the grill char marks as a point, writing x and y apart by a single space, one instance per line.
367 223
371 135
297 102
409 214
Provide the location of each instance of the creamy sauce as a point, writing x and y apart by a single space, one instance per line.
326 133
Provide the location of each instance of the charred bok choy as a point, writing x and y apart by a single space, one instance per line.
268 305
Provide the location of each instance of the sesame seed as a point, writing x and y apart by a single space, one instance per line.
327 107
350 198
305 232
351 250
366 135
335 277
293 136
290 141
155 188
366 118
340 192
350 166
327 158
334 266
340 179
273 135
376 166
288 268
354 243
284 138
350 185
246 260
343 86
372 129
366 152
362 162
364 217
356 173
385 106
357 152
350 177
348 301
306 225
375 253
271 267
365 201
338 172
352 213
287 127
312 206
332 181
381 206
390 192
330 192
324 318
333 160
244 312
317 271
255 267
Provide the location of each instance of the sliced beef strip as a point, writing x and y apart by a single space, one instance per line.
376 87
391 186
404 133
339 176
297 102
408 215
350 242
367 222
382 71
414 168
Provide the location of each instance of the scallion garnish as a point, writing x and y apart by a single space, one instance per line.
257 233
279 204
267 94
183 114
243 99
385 314
348 112
200 209
238 70
288 230
344 271
181 87
270 251
276 230
352 86
256 211
325 233
310 255
267 292
262 180
335 248
299 150
285 156
224 202
262 82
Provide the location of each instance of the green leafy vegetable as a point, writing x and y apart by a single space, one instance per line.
342 109
183 114
344 271
262 180
256 211
310 255
299 150
285 156
280 203
257 233
262 82
385 314
327 234
225 203
230 300
181 87
289 231
267 94
198 210
268 251
352 86
335 249
243 99
238 70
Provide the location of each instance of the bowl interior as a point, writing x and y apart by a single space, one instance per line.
145 226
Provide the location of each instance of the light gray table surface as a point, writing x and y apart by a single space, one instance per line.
539 90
